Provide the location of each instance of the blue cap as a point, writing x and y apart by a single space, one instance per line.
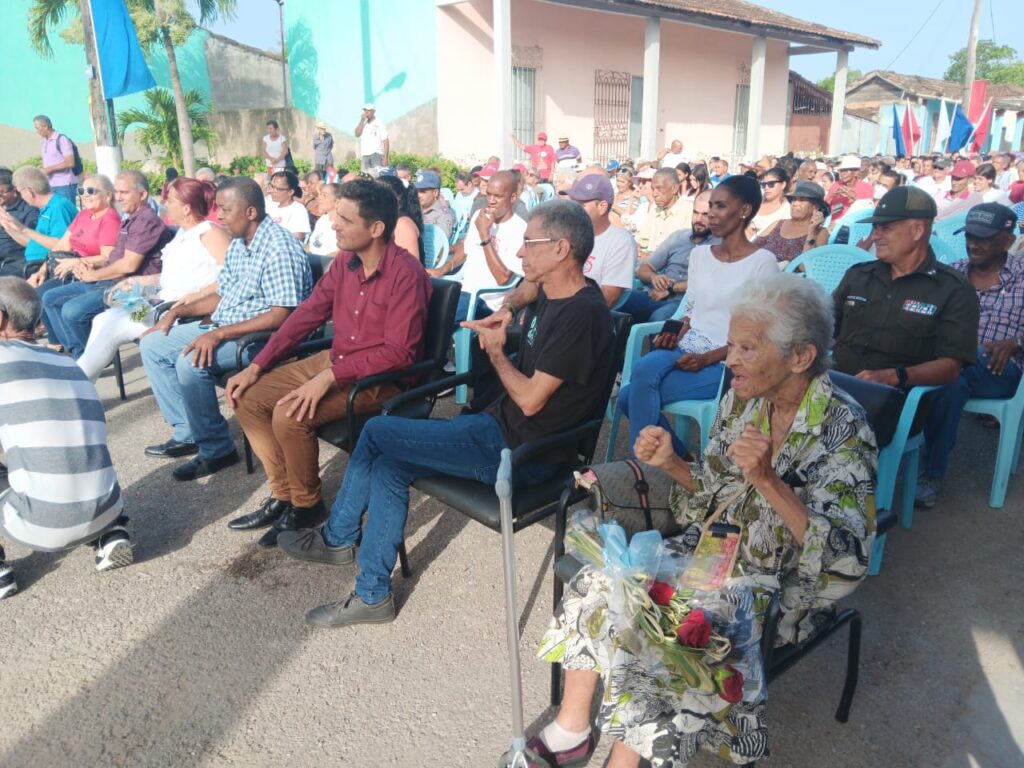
612 166
387 170
426 180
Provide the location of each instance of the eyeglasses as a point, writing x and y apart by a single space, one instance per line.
536 240
88 190
770 183
281 189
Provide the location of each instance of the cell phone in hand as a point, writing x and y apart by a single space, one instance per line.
673 327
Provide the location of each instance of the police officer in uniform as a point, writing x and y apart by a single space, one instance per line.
904 320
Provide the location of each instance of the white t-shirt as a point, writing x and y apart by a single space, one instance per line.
293 217
323 241
371 142
613 260
672 159
273 147
937 191
762 222
711 284
507 239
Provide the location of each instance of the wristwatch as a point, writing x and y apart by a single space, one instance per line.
485 242
901 375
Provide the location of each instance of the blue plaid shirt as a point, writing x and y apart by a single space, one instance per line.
1002 305
271 272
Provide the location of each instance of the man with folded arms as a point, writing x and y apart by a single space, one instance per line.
376 293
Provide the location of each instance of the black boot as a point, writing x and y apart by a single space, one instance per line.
269 511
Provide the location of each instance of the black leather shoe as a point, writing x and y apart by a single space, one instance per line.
172 449
294 519
268 512
200 467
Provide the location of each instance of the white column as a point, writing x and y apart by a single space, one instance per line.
756 102
503 79
838 105
652 69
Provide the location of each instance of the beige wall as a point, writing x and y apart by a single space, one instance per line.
700 69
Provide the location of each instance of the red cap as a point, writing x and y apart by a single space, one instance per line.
963 169
519 167
542 136
487 171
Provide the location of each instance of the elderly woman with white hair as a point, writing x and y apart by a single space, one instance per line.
791 463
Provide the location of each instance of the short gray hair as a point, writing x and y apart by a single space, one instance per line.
29 177
794 311
101 182
20 302
566 219
206 174
137 178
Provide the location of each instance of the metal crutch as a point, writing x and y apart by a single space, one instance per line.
519 756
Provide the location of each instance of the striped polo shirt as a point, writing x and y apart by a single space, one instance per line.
63 489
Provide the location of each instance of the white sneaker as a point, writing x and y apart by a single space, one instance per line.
114 549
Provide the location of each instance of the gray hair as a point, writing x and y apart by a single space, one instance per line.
20 302
205 174
138 179
43 120
795 313
566 219
101 182
29 177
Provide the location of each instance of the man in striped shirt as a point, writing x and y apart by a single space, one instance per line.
62 487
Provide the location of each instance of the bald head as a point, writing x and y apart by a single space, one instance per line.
502 193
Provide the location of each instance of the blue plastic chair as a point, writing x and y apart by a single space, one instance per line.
943 230
1010 413
463 337
448 195
944 252
856 227
545 192
827 265
459 230
435 245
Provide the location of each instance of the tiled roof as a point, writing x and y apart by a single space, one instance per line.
742 13
1004 96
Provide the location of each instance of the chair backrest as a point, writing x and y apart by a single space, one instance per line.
954 247
318 265
827 265
444 300
946 252
621 324
545 192
882 404
435 245
448 195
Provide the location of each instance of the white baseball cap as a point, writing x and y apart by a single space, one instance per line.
849 163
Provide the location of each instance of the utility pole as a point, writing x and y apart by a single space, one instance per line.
108 155
972 56
284 59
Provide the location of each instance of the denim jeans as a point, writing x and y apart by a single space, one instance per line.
462 311
643 308
656 382
66 190
948 403
68 311
187 395
391 453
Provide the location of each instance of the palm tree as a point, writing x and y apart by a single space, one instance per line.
158 127
157 22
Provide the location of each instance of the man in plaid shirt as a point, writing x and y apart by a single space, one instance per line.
265 276
998 279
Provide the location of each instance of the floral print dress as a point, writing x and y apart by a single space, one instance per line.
829 459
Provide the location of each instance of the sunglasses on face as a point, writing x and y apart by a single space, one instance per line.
769 183
88 190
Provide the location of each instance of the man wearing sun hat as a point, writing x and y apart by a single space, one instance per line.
567 154
374 146
542 155
998 281
323 148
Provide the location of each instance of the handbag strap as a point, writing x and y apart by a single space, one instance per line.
642 488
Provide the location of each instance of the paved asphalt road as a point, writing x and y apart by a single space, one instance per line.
197 655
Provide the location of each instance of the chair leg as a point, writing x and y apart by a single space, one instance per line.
852 671
1006 456
119 374
463 352
875 564
403 560
613 433
247 449
909 489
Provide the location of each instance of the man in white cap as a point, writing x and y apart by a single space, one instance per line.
373 139
850 188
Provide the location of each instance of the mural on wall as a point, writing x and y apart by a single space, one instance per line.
394 61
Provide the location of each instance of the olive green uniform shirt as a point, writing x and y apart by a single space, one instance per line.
885 323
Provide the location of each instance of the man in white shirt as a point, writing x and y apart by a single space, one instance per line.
490 248
938 183
275 147
373 139
672 155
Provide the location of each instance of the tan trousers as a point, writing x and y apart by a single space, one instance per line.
289 449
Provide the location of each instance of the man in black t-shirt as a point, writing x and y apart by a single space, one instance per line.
558 380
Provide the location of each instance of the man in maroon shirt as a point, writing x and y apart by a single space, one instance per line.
376 293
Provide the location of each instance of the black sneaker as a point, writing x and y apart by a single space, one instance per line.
8 586
114 548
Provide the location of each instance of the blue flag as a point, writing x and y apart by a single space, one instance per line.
960 131
897 134
122 66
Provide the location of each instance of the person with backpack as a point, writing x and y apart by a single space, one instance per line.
61 162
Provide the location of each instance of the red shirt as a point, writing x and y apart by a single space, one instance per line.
379 321
542 158
88 235
840 204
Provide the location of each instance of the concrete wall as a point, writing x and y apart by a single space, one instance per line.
700 69
243 77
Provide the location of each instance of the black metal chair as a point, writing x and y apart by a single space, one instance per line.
882 406
530 503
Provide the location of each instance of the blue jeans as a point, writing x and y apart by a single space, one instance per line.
391 453
948 403
187 395
655 382
462 311
68 311
66 190
643 308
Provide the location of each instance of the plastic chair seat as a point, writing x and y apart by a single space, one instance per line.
1010 414
479 502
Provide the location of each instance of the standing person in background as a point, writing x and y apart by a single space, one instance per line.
542 154
275 147
374 146
323 148
58 154
567 154
672 155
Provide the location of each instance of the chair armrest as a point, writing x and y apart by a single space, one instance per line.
531 450
308 348
246 341
424 366
430 389
909 412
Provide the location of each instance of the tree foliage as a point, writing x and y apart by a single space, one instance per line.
995 63
829 83
157 126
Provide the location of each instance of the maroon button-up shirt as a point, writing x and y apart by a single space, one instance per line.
379 321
